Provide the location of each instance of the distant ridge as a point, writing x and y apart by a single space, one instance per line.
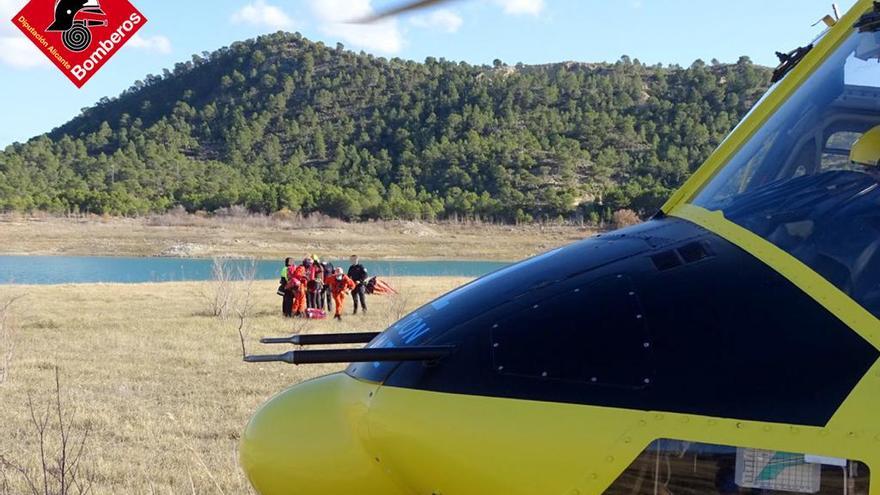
281 122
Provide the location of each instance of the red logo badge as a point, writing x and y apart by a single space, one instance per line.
79 36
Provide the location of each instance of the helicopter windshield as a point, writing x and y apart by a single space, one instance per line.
795 184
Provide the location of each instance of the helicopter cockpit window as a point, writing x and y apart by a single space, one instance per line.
687 468
809 181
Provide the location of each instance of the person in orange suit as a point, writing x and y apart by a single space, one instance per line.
340 285
297 281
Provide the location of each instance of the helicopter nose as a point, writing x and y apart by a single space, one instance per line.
309 440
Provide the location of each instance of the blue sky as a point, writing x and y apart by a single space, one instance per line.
36 97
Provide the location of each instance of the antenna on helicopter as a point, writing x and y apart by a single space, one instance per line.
390 354
323 339
368 355
832 19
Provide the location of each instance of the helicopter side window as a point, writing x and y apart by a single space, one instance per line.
685 468
835 155
797 183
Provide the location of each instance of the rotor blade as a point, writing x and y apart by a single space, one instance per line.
391 12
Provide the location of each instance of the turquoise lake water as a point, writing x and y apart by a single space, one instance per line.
83 270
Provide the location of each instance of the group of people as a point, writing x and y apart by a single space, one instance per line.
315 288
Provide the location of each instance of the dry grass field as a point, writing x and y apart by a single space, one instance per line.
275 238
159 385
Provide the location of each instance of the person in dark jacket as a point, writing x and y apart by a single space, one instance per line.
287 301
358 274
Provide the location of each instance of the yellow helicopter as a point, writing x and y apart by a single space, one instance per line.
727 346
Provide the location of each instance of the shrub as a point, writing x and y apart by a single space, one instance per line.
625 218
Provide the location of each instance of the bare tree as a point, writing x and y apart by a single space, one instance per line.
243 301
8 331
59 454
220 293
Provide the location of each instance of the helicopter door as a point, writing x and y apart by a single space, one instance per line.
673 467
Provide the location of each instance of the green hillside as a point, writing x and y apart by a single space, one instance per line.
282 122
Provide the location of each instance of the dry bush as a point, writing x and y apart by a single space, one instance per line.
284 219
176 217
318 221
243 288
218 295
234 211
59 454
177 211
284 215
8 331
230 291
625 218
240 217
397 308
